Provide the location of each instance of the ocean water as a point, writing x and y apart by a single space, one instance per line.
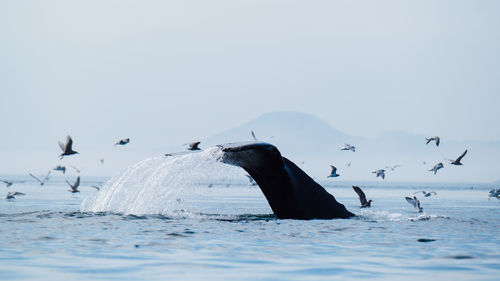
191 217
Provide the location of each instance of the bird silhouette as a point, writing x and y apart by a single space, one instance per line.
362 197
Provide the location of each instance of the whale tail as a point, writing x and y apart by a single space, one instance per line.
291 193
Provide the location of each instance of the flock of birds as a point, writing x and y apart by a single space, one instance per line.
381 173
67 150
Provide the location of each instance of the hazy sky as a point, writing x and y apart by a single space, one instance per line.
167 72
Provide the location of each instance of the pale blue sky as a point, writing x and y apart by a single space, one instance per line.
167 72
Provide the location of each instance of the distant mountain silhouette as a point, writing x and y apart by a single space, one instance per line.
291 131
307 139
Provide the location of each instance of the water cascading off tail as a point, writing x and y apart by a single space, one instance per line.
156 185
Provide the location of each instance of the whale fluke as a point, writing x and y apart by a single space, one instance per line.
291 193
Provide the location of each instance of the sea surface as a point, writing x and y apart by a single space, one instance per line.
189 217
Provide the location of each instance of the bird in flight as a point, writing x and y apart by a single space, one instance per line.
457 161
9 183
437 167
362 197
60 168
494 193
349 147
435 138
426 194
42 182
74 187
415 203
194 146
12 195
67 147
123 141
380 173
333 173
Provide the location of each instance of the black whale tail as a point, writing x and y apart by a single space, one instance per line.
291 193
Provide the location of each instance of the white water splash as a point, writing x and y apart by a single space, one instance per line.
156 185
394 216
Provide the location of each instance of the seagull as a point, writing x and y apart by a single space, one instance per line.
11 195
194 146
457 161
74 187
123 141
254 137
42 182
495 192
7 183
380 173
349 147
251 181
426 194
101 160
437 167
60 168
435 138
414 201
362 197
67 147
333 174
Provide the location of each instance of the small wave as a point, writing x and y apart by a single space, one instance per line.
372 215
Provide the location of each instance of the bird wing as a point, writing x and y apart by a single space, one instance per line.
96 187
18 193
62 146
47 176
69 143
433 192
35 177
334 169
422 191
411 201
253 135
77 183
461 156
437 141
428 140
361 194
